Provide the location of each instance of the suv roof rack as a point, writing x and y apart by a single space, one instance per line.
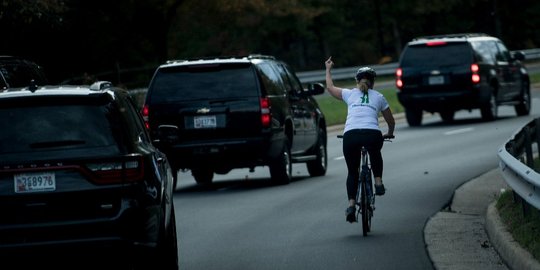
459 35
261 56
250 56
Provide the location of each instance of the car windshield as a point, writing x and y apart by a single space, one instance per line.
450 54
203 82
58 128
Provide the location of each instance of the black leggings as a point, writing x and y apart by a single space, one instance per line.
353 140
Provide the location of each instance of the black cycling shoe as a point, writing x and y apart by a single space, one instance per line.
350 214
379 190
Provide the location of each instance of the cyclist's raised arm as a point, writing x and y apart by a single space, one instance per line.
389 118
332 89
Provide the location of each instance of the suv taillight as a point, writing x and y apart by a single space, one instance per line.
436 43
117 171
265 112
475 77
399 82
145 112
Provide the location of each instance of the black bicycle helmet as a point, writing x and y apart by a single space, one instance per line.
366 72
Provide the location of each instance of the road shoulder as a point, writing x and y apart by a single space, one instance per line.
456 237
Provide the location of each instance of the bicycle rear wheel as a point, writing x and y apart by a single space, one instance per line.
364 206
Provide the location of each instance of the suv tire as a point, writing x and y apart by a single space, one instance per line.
414 117
281 166
168 251
318 166
524 107
489 110
202 175
166 254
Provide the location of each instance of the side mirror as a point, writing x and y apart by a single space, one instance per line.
168 134
518 55
315 89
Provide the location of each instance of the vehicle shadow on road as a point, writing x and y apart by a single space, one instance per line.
463 122
242 184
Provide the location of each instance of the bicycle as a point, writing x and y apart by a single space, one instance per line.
366 204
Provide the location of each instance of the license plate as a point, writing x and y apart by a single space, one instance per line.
204 121
436 80
34 182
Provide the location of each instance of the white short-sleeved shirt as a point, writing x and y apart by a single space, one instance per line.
363 110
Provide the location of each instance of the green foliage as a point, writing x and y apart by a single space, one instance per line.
525 229
71 37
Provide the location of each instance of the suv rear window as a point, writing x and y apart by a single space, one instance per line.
198 82
450 54
32 128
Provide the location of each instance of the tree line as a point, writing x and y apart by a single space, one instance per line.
124 40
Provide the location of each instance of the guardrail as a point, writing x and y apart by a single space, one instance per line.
517 163
382 70
531 54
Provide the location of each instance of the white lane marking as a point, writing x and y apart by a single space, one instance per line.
338 158
458 131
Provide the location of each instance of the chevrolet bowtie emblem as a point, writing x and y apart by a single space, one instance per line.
203 110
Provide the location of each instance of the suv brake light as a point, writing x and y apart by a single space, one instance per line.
475 78
145 112
436 43
117 171
399 82
265 112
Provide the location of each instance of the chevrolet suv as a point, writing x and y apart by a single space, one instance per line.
446 73
79 175
218 114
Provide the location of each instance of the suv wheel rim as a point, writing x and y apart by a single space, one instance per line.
493 106
288 168
322 153
527 100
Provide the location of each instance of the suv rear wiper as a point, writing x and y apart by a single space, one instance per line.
50 144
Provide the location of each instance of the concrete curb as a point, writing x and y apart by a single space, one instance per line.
509 250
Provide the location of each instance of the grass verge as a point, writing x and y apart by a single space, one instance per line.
524 228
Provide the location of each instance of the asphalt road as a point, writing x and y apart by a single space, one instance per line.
243 222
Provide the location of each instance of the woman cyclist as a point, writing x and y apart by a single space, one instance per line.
362 129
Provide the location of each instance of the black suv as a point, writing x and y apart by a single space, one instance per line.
446 73
16 72
215 115
78 171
